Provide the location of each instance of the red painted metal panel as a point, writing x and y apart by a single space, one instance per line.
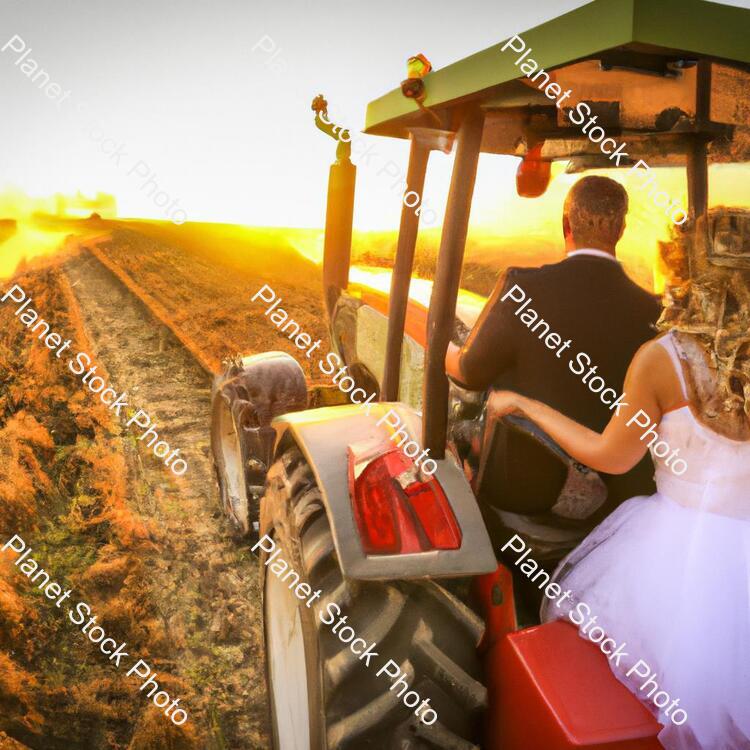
551 690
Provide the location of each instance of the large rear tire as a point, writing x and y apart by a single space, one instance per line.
322 696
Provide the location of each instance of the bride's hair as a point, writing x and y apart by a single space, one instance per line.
714 308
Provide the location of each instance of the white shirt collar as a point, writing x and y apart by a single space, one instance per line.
594 252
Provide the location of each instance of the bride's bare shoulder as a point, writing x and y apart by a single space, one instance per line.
650 353
652 363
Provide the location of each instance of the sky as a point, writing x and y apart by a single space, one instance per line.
210 101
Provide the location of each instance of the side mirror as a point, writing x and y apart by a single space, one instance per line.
533 174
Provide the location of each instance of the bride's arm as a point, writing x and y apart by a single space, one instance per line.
619 448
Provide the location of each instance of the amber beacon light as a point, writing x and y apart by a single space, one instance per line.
533 174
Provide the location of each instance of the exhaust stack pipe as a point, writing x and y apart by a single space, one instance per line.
342 176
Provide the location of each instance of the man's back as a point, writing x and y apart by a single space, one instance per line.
588 299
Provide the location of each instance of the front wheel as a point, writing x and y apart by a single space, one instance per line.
323 695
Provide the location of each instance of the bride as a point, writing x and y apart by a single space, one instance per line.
670 574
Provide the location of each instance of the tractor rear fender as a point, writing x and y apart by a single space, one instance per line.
324 436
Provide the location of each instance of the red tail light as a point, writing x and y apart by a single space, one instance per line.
398 511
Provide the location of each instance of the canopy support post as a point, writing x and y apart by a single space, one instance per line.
402 269
442 314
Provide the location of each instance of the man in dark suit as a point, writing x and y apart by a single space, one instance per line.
587 298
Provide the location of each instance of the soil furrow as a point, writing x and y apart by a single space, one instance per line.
204 587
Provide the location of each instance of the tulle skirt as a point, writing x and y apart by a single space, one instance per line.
673 584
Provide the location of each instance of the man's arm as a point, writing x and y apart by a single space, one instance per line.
620 447
453 362
489 350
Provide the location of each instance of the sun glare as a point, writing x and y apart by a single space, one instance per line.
506 229
26 244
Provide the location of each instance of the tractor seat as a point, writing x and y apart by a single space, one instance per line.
555 691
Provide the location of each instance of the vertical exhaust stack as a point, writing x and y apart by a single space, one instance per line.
342 177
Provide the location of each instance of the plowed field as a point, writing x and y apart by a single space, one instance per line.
149 551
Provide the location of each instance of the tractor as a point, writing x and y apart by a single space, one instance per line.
382 549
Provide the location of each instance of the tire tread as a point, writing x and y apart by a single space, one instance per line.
418 624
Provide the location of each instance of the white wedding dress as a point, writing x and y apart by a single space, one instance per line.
669 575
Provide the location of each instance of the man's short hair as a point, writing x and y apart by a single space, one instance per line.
596 208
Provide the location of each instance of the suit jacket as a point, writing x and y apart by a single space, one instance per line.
587 299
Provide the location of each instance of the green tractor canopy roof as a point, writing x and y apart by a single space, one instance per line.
634 62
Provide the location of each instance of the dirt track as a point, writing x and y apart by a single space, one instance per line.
205 586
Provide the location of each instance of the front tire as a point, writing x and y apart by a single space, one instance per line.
322 696
229 458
